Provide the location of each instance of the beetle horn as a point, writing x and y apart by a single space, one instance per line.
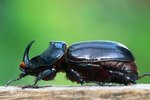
26 59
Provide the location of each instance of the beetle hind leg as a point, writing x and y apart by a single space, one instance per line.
121 78
145 74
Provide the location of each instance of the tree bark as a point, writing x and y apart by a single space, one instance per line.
108 92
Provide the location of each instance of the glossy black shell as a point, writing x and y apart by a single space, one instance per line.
95 51
51 55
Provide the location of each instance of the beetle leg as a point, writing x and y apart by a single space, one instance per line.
48 74
20 77
76 75
123 77
145 74
100 83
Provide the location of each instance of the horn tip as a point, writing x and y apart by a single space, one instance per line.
32 41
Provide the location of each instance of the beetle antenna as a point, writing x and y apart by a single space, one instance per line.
145 74
20 77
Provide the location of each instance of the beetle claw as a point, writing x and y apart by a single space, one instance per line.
32 86
8 82
82 82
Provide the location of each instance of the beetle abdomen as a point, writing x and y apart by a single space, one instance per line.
99 51
122 72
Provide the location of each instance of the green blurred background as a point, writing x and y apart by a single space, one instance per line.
125 21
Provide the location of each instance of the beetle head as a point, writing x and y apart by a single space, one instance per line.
27 64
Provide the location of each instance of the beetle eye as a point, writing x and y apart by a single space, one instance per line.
22 65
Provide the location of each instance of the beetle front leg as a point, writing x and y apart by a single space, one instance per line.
71 73
20 77
48 74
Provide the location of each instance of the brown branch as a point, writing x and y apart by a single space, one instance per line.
138 92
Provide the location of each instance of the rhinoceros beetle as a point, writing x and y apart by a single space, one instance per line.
83 62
